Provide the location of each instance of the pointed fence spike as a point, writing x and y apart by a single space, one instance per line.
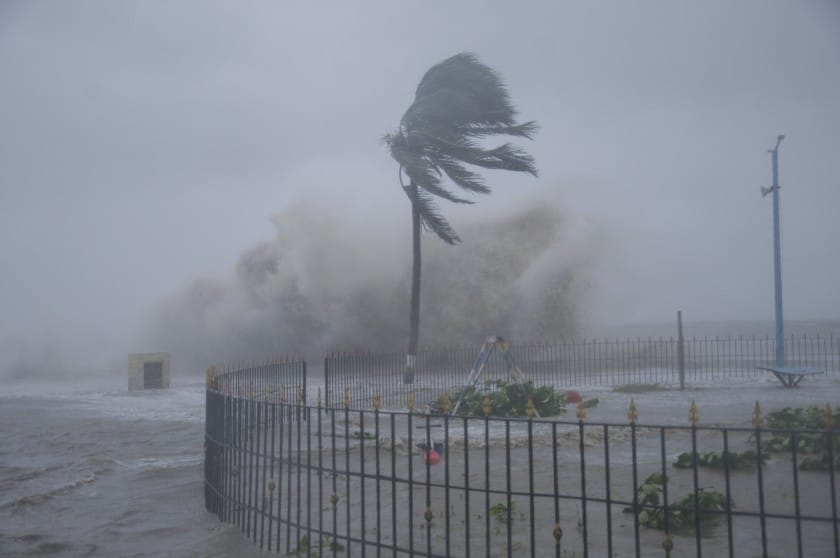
377 401
828 417
693 415
409 401
632 412
757 419
530 410
486 407
581 411
318 398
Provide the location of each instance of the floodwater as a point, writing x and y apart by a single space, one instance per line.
87 470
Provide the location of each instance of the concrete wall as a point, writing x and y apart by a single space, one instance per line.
136 362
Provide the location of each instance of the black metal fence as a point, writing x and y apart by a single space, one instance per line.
572 364
309 480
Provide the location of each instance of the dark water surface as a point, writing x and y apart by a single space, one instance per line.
93 472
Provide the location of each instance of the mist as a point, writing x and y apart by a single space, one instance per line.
209 178
323 284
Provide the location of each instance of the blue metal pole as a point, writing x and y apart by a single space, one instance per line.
777 259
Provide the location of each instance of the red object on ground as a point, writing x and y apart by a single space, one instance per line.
431 457
573 396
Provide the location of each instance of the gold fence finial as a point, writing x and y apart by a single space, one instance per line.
377 401
346 398
632 413
446 403
486 407
300 394
409 401
282 393
693 415
581 411
667 544
828 417
530 410
558 533
757 419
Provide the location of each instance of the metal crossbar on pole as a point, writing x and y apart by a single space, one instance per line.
490 344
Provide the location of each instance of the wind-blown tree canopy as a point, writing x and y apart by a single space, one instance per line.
458 103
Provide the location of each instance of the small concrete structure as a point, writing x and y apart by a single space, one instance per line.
148 371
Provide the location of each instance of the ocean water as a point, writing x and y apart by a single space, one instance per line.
89 469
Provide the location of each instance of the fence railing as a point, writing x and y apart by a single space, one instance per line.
307 480
572 364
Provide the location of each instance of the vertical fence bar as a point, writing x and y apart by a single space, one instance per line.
798 517
298 475
447 487
378 471
487 480
583 488
663 454
280 444
531 515
637 541
289 465
271 483
410 478
608 488
696 485
761 511
334 496
394 481
727 481
257 485
321 479
508 490
363 508
467 492
830 437
555 478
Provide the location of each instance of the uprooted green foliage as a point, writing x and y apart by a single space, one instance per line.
719 460
502 512
681 513
510 399
817 447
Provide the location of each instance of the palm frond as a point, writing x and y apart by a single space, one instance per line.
461 91
431 217
526 130
463 149
457 102
461 176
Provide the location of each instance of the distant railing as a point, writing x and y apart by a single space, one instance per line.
306 480
571 364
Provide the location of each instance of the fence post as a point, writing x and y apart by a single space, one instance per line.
680 349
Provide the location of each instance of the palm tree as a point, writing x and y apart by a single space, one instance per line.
458 103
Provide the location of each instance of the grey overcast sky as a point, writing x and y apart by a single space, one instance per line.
147 143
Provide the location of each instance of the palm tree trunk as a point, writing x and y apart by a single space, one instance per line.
414 317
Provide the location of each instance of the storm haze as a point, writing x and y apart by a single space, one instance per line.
209 178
